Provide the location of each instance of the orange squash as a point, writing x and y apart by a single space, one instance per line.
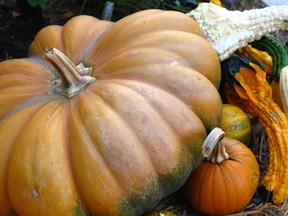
105 118
226 180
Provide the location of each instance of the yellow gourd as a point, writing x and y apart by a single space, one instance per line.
236 123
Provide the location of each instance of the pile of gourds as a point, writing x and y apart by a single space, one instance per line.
108 118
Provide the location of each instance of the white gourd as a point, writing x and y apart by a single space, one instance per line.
228 31
283 84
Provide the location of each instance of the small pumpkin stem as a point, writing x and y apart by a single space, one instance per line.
218 154
213 149
73 78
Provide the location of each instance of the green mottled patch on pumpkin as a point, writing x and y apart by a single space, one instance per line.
196 151
178 175
79 210
147 197
141 199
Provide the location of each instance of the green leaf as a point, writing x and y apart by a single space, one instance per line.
34 3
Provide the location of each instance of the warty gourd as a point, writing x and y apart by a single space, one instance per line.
227 32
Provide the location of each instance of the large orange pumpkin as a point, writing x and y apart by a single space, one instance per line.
118 132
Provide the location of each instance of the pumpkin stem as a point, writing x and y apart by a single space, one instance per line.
213 149
73 78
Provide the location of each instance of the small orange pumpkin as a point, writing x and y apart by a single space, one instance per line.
226 180
110 120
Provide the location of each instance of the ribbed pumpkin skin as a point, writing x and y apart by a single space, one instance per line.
225 188
124 142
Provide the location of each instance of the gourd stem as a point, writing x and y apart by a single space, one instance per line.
213 149
71 79
228 31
